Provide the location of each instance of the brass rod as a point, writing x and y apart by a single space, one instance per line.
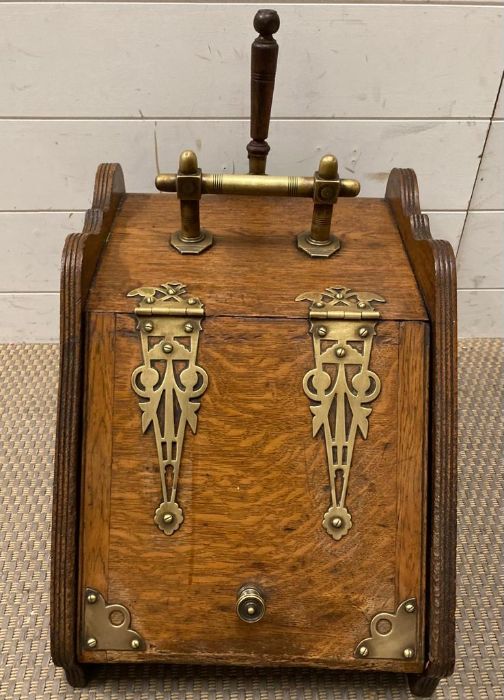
321 223
190 220
258 185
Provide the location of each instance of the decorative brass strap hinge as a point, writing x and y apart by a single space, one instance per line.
393 635
168 382
107 626
343 324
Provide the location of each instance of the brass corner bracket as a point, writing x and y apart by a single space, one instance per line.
107 626
342 324
168 382
393 635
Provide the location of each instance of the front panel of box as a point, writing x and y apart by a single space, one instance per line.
254 488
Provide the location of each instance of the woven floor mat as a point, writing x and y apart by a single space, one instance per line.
28 380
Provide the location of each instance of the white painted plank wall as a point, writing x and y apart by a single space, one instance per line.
381 85
480 259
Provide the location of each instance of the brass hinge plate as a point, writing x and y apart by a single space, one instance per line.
169 382
107 626
393 635
343 324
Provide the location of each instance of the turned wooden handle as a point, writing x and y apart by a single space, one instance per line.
262 74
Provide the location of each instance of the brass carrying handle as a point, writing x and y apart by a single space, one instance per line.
262 83
324 187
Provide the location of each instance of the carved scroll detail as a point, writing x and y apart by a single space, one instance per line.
343 324
168 382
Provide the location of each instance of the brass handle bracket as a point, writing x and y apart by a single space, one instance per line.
325 187
190 238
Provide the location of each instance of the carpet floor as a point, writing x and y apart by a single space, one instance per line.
28 380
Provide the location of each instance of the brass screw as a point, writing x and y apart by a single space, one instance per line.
363 332
361 305
408 653
188 327
167 518
336 522
167 348
251 610
191 301
339 295
322 331
410 607
363 651
91 642
149 300
340 352
91 598
149 326
171 291
135 644
319 304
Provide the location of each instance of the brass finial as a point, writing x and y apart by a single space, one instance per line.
188 162
328 167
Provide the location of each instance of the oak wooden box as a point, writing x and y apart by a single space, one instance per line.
254 482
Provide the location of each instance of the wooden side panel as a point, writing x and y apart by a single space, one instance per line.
433 263
97 457
254 489
79 261
412 420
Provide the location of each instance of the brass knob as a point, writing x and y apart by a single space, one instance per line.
250 605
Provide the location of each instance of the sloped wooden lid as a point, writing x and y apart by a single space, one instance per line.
254 267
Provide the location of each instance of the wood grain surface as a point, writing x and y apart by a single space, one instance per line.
254 489
433 263
254 267
79 261
412 436
97 455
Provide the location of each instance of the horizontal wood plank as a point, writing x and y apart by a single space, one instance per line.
255 268
34 318
29 318
499 107
51 164
32 243
447 225
488 190
480 262
481 313
356 60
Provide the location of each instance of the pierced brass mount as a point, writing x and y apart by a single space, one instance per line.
107 626
168 382
393 635
324 187
343 324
